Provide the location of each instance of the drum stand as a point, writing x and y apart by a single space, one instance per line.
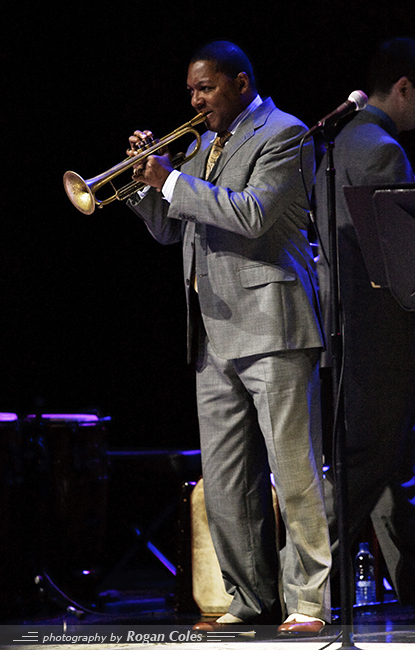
50 592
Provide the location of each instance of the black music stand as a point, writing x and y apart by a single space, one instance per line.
384 218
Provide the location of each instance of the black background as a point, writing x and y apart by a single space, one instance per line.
92 309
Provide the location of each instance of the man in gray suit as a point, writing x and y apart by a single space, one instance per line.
379 335
253 313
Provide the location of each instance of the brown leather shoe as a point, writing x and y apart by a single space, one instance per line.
205 626
213 626
300 628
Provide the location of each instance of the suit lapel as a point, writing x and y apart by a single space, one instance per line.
244 132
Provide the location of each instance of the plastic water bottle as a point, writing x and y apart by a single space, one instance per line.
365 576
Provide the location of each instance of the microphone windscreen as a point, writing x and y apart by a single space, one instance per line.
359 98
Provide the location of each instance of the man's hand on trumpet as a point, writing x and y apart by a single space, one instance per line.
154 169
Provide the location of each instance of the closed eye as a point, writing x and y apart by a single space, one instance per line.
203 89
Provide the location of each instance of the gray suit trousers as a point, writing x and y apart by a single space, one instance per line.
258 414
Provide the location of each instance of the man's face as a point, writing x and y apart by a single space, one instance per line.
215 93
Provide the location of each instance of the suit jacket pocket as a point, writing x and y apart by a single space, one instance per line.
260 274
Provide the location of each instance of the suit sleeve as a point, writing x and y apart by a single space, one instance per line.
259 185
152 209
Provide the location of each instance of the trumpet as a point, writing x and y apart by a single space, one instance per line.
82 193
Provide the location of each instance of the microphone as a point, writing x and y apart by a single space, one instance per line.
355 102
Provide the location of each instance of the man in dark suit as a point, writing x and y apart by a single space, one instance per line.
379 335
251 294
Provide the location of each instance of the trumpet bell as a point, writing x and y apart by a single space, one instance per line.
79 193
82 194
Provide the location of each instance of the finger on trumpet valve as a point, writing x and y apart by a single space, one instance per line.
140 141
143 138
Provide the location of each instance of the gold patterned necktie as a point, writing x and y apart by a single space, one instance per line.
215 152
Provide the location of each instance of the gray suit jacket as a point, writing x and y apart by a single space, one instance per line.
245 231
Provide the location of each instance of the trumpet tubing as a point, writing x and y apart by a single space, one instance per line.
82 193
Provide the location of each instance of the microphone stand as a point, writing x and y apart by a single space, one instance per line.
339 429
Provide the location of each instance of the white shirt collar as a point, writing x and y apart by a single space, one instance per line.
247 111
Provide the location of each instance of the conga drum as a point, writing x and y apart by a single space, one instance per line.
16 581
67 456
208 587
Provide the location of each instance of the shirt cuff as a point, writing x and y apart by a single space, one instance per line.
137 197
169 185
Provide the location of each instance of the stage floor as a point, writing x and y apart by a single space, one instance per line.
137 600
142 609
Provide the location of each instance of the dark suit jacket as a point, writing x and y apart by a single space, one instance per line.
378 338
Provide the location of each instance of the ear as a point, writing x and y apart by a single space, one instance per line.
402 86
243 82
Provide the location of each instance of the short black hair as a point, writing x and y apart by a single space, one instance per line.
228 58
393 59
